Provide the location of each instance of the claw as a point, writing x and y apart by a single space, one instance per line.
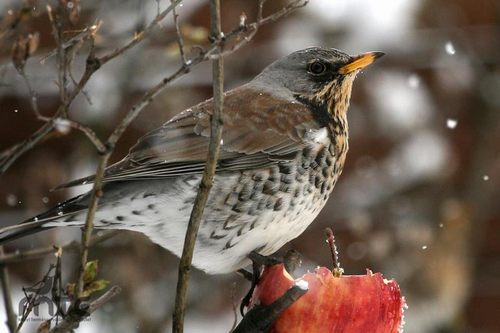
263 260
291 259
255 280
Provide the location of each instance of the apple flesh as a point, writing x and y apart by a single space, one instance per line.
347 304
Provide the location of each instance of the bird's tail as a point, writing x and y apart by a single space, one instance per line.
63 212
13 232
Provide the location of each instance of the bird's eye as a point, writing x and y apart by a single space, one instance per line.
317 67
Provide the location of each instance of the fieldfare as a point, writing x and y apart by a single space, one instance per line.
283 148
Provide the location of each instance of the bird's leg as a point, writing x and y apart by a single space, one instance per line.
291 261
263 260
254 281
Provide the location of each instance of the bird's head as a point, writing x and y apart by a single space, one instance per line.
319 76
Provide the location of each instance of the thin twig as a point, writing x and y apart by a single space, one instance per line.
32 94
207 179
57 24
89 220
140 36
57 284
252 28
72 123
85 34
89 133
7 298
32 299
330 238
76 314
92 64
180 39
10 155
85 93
115 290
73 246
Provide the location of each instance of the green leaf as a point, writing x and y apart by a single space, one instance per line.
90 272
94 287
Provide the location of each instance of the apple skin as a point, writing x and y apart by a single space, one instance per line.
346 304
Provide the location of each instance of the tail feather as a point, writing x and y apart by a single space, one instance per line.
13 232
63 211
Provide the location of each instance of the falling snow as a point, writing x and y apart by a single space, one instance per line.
424 247
63 126
414 81
449 48
486 178
11 200
451 123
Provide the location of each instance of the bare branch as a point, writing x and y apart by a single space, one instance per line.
89 221
73 246
32 94
141 35
207 179
10 155
62 62
7 298
252 28
180 39
71 123
57 283
32 299
89 133
115 290
85 34
82 310
330 239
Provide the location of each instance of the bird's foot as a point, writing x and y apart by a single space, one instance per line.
291 261
262 260
255 276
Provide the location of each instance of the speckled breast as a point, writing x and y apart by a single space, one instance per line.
275 204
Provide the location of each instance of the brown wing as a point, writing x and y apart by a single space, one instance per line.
259 130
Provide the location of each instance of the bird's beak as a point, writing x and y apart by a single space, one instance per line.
360 62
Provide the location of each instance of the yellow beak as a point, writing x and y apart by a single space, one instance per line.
360 62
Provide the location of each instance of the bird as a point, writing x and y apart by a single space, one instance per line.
283 148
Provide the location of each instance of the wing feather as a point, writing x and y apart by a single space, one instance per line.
259 130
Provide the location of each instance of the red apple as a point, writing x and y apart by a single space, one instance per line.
347 304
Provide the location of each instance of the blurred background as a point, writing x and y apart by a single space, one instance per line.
418 199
